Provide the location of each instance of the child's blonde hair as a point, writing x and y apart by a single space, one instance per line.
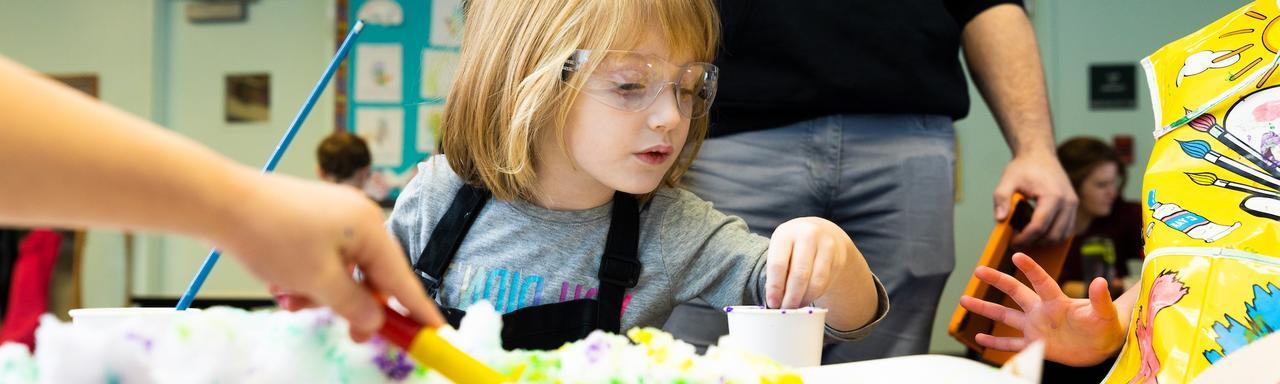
508 86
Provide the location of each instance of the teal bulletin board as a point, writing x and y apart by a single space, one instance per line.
396 79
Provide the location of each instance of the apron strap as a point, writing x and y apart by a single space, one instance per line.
619 266
447 236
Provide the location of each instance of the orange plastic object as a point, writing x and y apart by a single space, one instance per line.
997 255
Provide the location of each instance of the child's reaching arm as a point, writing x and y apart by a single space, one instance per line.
1078 332
70 160
812 260
714 256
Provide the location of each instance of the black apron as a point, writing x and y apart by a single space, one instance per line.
546 326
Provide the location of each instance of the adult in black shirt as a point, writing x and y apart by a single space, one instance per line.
843 109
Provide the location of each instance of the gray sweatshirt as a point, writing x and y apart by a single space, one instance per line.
517 254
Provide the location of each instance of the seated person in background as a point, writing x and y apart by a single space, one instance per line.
1107 232
344 159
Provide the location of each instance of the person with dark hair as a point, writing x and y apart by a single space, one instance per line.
1107 230
344 159
1107 234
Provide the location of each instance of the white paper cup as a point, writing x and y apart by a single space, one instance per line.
792 337
110 318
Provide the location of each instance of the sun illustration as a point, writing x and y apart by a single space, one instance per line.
1245 56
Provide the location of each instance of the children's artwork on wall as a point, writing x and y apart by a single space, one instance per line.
379 73
437 72
248 98
408 67
446 23
383 129
381 12
429 117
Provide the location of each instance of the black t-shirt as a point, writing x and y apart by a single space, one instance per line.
783 62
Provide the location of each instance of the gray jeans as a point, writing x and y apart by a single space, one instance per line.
887 180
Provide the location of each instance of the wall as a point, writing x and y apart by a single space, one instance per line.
113 40
293 41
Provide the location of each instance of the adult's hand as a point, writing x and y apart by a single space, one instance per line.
1001 53
1040 178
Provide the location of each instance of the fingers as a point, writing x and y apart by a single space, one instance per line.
1010 286
1040 280
386 269
777 263
1012 344
823 268
289 300
293 302
1004 192
1100 299
349 300
799 273
1041 221
993 311
1064 221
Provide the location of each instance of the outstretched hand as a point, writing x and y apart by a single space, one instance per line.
1076 332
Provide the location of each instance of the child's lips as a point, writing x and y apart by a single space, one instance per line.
655 155
652 158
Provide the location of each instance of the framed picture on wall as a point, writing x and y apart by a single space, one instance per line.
85 82
248 98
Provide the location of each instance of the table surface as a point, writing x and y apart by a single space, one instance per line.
907 369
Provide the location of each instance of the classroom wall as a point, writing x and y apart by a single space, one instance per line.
113 39
1072 35
293 41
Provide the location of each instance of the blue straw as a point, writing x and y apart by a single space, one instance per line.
214 254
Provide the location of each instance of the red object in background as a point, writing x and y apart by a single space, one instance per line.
29 290
1124 147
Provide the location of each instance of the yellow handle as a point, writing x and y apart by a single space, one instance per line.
432 351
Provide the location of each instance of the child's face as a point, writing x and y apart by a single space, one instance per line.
617 150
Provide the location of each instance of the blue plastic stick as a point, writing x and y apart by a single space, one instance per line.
214 254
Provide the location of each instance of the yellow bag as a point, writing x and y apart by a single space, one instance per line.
1212 191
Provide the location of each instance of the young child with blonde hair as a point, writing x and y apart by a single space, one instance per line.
566 131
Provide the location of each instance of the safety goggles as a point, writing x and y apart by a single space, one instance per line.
631 81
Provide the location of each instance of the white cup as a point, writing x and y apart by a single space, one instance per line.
111 318
792 337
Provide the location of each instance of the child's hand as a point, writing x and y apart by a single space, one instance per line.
293 301
1077 332
288 300
304 237
805 254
